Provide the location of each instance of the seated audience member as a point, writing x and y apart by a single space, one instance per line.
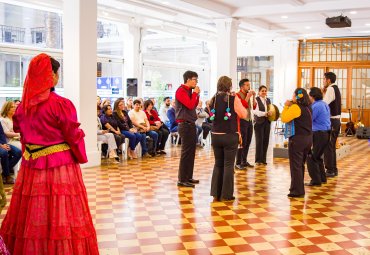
157 126
10 155
105 102
163 111
128 130
201 122
98 101
6 120
140 121
172 117
106 137
154 102
110 123
16 102
129 106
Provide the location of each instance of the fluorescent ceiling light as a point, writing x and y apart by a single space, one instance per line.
353 12
284 17
307 27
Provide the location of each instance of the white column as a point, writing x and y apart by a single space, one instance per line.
79 59
133 67
227 30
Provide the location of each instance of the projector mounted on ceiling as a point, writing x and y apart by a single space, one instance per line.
338 22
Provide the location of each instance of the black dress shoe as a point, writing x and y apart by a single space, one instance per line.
240 167
264 163
248 165
185 184
312 184
330 174
228 199
294 195
193 181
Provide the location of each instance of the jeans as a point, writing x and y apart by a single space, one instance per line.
134 138
9 159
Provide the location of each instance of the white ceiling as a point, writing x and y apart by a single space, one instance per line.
292 18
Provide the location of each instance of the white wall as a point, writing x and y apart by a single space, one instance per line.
285 52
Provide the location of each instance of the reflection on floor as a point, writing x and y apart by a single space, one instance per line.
138 209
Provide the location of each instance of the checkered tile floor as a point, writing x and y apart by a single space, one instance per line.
138 209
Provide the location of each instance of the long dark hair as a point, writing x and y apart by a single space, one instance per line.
224 86
55 65
302 97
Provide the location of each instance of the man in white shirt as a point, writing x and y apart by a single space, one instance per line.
140 121
163 111
332 97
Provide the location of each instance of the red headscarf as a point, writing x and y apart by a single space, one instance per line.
38 82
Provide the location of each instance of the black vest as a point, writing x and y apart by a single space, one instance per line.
303 124
219 124
182 112
336 105
261 107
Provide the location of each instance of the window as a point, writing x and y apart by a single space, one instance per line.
27 26
259 70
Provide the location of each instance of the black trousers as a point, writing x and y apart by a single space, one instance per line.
163 134
330 154
315 163
246 130
298 149
120 139
188 134
206 129
262 134
224 149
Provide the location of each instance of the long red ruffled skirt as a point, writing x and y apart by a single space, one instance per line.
49 214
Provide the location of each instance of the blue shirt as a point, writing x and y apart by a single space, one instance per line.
172 118
320 116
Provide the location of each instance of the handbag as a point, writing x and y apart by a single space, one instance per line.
154 128
289 129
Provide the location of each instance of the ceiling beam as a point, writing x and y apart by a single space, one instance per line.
297 2
260 24
283 9
219 8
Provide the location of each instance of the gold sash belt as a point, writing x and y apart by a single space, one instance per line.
35 151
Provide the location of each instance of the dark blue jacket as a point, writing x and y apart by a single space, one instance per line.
2 136
172 118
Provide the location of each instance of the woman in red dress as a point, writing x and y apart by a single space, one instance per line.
48 212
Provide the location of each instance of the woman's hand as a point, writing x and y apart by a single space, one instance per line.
104 131
288 103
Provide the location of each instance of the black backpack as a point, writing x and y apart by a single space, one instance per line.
150 145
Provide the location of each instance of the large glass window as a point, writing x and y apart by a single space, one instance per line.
14 68
27 26
109 78
165 59
259 70
335 50
110 40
